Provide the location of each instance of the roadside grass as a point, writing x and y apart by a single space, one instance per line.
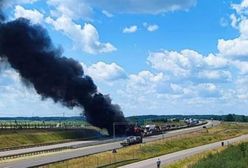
192 160
235 156
157 148
19 138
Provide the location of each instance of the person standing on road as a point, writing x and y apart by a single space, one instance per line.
158 163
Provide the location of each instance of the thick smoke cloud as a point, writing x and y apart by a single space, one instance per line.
29 50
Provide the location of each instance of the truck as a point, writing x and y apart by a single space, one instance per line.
151 130
131 140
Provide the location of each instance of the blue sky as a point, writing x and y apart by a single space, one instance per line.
150 56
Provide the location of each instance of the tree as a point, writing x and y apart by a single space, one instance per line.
230 117
243 118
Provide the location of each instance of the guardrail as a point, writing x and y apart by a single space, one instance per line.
31 146
49 143
13 156
17 126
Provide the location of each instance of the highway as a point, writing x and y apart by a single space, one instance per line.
73 153
74 144
169 158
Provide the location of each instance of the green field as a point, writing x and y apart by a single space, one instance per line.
18 138
232 157
153 149
16 124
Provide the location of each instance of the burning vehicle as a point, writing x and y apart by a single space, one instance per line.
134 130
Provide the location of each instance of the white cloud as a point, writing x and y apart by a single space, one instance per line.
234 48
223 22
85 8
105 72
237 48
18 2
213 61
142 76
199 92
142 6
145 82
242 81
179 64
108 14
242 88
242 7
242 66
190 66
243 28
74 9
234 21
165 61
151 28
84 37
34 15
11 74
208 90
156 91
130 29
215 75
26 1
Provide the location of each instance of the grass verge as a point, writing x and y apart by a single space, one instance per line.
192 160
235 156
153 149
20 138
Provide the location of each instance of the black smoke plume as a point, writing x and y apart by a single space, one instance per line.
29 50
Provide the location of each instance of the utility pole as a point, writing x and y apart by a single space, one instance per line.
113 130
117 123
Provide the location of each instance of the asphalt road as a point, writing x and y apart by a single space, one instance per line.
75 144
169 158
73 153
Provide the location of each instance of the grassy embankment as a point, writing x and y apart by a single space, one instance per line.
192 160
17 138
153 149
235 156
232 157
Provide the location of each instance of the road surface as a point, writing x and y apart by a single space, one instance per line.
73 153
169 158
74 144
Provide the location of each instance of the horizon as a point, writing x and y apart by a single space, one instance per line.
79 116
169 58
